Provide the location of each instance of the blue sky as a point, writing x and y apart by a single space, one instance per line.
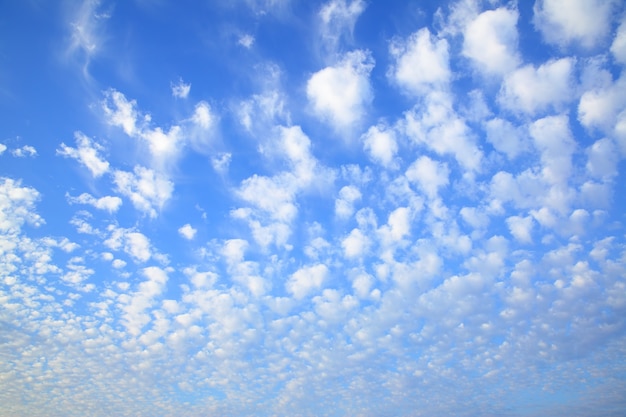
290 208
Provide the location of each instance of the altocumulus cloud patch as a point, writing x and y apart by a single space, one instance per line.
339 207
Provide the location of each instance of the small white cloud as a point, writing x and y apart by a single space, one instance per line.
108 203
180 89
430 175
529 89
618 47
603 157
505 137
356 244
187 232
491 41
246 41
521 228
553 138
565 22
338 18
24 151
435 124
2 148
17 206
420 63
341 93
221 162
146 189
380 143
86 154
344 205
306 280
120 112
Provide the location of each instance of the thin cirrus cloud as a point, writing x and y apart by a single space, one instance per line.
398 212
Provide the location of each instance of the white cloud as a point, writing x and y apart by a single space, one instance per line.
86 154
133 243
420 63
435 124
246 41
134 307
567 22
120 112
490 40
532 90
356 244
554 140
603 157
306 280
187 231
505 137
180 89
24 151
430 175
380 143
2 148
600 108
340 94
146 189
108 203
87 31
618 47
521 228
344 205
338 18
17 206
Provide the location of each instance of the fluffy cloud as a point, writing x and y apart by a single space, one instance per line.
344 205
420 63
505 137
434 124
146 189
341 93
108 203
564 22
490 40
86 154
306 280
430 175
17 206
531 90
618 47
180 89
187 231
380 143
24 151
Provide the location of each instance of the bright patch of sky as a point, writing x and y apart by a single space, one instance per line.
339 207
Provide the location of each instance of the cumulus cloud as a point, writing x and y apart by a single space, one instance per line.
187 231
86 154
531 90
421 63
490 40
17 206
108 203
435 124
24 151
146 189
430 175
340 94
344 204
180 89
380 142
306 280
565 22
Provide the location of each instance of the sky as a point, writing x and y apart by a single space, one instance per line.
312 208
